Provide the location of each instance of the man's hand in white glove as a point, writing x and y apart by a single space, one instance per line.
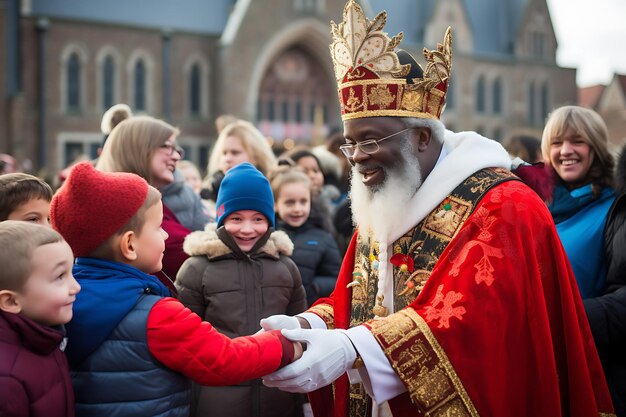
329 354
279 322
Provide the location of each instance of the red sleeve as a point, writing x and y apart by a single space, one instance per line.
180 340
13 399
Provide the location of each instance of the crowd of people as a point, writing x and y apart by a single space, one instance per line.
477 278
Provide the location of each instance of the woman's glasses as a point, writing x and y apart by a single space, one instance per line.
171 148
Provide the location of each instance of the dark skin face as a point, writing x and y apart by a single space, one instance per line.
375 167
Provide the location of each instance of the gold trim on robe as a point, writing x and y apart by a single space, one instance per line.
420 362
424 243
326 313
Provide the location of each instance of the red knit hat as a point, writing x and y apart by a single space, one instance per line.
92 205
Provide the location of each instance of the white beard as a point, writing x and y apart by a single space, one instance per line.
377 209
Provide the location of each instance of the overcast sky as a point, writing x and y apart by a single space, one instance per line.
591 37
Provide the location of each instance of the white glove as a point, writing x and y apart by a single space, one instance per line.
329 354
279 322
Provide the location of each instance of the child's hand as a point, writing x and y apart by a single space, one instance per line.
297 350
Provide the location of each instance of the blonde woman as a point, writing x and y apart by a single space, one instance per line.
574 143
147 147
238 142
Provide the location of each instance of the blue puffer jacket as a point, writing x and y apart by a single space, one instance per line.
142 387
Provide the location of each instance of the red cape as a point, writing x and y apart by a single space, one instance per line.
517 335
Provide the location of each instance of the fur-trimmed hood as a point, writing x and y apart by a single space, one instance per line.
208 243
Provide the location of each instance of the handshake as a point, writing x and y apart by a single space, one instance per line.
327 355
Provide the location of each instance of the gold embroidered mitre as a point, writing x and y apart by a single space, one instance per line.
376 80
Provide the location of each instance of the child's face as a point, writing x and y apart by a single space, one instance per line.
246 227
149 243
50 292
234 153
313 171
36 211
294 203
192 178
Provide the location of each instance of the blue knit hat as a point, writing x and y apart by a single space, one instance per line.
244 188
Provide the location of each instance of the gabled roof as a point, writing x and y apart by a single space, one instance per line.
590 96
408 16
201 16
494 23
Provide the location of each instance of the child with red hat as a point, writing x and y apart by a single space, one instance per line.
132 349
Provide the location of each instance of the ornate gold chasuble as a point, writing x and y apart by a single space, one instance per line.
415 254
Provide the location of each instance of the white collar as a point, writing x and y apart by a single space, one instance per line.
462 154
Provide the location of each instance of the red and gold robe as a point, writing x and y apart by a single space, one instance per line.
498 328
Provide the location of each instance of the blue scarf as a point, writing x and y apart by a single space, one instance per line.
109 292
566 203
580 219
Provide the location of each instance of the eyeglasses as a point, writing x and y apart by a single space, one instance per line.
171 148
367 146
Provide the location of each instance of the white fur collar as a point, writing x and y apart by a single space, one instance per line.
207 243
463 154
467 152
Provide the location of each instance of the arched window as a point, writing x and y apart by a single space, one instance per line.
139 74
545 101
73 83
195 90
497 96
531 104
480 94
108 82
298 111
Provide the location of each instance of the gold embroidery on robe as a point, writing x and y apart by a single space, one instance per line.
326 313
424 243
419 360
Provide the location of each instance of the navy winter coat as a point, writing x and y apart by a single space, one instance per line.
316 254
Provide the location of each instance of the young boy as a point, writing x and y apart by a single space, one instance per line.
24 197
240 272
131 347
37 291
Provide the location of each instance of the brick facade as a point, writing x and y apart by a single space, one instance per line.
233 66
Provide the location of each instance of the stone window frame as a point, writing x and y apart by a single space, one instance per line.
68 51
103 54
203 64
134 58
